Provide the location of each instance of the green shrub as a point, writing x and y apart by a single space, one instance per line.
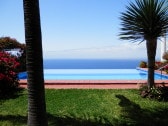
159 93
143 64
158 64
8 72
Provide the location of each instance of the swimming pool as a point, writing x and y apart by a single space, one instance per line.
95 74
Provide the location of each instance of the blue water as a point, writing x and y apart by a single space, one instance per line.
91 63
95 74
97 69
92 74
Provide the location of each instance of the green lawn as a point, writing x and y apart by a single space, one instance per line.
89 108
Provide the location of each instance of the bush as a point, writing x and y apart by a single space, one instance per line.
159 93
8 72
7 43
158 64
143 64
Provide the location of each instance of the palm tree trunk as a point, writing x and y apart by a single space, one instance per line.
34 60
151 53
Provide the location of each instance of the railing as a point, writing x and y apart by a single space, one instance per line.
161 68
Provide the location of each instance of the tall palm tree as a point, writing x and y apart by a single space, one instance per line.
145 20
34 60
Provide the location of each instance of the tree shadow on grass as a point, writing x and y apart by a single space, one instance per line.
133 114
11 94
70 121
14 120
55 121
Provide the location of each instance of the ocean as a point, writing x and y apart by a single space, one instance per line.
91 63
92 69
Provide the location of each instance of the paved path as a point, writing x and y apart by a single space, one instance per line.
93 84
90 86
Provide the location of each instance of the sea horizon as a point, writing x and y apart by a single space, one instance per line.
91 63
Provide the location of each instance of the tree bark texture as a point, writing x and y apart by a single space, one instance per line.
151 53
34 64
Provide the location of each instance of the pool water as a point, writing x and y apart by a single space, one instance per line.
95 74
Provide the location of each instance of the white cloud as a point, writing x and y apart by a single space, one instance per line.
120 51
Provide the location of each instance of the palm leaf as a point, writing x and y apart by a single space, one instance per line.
144 19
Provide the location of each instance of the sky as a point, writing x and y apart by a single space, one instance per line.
75 29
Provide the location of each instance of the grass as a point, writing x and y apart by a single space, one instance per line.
88 108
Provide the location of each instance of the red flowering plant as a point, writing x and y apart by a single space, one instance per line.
8 72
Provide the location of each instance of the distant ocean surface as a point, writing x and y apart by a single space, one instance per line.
91 63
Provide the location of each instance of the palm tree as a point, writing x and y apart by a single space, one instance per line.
34 60
145 20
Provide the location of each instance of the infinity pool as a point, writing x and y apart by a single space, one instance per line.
95 74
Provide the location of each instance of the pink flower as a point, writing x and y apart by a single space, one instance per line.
2 76
8 67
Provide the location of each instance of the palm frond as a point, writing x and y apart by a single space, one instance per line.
144 19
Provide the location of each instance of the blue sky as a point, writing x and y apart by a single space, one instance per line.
75 28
